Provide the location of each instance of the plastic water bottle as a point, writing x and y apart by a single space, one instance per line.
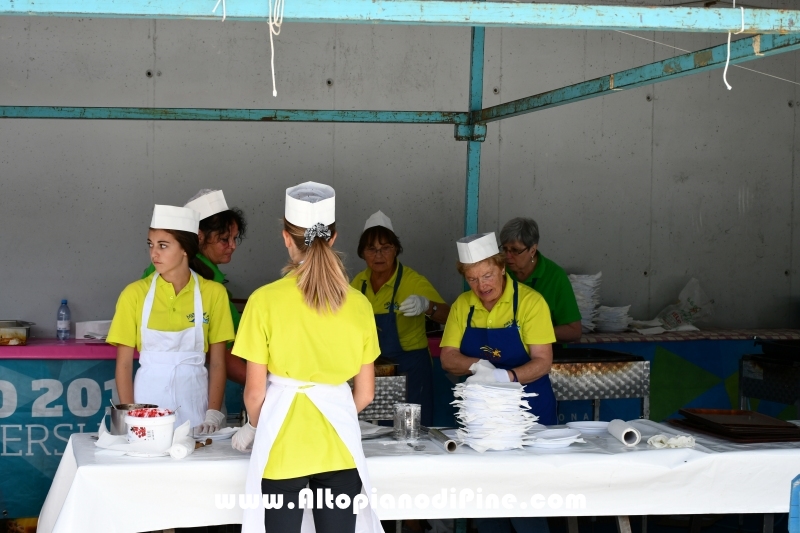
63 321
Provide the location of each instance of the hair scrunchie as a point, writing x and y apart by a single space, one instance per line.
317 230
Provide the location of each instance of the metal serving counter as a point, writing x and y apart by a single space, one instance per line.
592 374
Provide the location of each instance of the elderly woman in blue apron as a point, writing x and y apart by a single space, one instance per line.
304 337
401 298
174 318
500 328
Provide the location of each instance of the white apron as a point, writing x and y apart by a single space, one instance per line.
335 402
172 369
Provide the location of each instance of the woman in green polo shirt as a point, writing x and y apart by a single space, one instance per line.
519 240
221 231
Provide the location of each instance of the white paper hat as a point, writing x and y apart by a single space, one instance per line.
378 219
310 203
207 202
477 247
179 218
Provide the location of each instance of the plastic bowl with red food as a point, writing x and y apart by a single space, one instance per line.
150 430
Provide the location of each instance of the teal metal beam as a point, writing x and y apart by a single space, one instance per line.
692 63
474 146
235 115
432 12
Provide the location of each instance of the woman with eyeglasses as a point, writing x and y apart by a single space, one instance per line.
500 331
519 240
221 231
401 298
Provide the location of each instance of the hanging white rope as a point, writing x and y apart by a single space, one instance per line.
728 59
224 11
275 21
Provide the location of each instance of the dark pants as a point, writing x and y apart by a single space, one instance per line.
326 520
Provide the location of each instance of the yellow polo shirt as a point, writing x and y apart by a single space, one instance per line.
279 330
171 312
533 316
410 329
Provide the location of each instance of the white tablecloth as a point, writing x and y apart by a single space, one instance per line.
96 493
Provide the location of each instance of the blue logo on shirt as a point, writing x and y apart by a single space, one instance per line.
190 316
390 306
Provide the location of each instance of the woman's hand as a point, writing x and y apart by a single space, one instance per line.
244 437
364 387
124 373
456 363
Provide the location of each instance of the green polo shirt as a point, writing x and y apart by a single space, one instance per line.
219 277
550 280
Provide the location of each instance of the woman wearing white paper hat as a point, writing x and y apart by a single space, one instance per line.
221 230
401 298
502 322
306 335
174 318
500 331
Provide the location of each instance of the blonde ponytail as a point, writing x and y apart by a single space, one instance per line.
321 276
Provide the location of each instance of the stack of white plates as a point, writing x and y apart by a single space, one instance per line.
493 416
555 438
613 319
587 293
590 427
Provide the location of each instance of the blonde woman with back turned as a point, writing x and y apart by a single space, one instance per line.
303 337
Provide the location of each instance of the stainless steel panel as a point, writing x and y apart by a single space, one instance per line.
598 381
389 390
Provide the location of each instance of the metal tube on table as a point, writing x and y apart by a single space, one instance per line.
447 443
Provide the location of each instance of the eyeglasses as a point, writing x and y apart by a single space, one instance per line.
513 251
383 250
485 278
228 241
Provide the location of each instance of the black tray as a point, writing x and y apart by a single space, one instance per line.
741 439
735 422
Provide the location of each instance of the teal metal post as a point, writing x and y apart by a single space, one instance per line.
474 146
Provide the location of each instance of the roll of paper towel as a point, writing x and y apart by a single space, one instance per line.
182 443
624 432
181 447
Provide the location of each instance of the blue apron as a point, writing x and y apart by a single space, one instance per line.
416 364
503 348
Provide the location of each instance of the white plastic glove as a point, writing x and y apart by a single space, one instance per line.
501 376
414 305
243 438
212 423
482 372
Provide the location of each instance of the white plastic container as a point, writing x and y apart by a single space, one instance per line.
151 435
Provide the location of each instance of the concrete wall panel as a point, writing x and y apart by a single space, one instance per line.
694 181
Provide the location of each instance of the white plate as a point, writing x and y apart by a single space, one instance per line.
504 386
589 427
143 454
558 434
550 444
221 434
